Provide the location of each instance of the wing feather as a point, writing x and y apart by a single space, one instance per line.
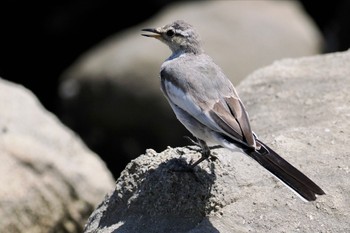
242 118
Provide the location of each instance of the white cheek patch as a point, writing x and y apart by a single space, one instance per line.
182 33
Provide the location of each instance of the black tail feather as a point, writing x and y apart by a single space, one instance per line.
286 172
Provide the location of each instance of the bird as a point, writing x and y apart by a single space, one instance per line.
205 101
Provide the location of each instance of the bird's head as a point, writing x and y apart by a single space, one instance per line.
179 36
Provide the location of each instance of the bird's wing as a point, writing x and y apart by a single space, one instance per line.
220 110
233 120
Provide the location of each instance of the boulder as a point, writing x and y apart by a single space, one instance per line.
301 108
50 181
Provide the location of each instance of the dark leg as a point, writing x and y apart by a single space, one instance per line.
205 153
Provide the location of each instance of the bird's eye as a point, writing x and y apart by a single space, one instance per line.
170 33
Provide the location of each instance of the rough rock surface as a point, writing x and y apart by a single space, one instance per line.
50 181
301 108
108 88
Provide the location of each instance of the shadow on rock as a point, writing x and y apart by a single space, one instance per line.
160 199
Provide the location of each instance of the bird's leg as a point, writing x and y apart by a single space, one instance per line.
205 153
199 144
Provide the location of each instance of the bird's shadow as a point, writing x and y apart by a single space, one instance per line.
167 198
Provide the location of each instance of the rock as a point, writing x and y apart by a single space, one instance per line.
50 180
111 94
301 108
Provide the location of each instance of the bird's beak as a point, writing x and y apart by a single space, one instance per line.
156 34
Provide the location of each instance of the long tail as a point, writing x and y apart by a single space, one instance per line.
286 172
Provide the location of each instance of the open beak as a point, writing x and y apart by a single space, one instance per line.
156 34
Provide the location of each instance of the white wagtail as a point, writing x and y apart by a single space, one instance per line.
207 104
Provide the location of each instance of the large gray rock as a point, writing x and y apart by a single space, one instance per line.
111 94
50 181
301 108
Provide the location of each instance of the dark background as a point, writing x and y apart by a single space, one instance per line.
39 40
